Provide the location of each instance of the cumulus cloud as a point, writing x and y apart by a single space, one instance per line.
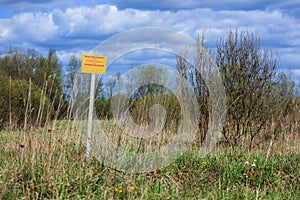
26 28
288 7
296 72
80 29
91 22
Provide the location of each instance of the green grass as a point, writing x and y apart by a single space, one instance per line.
40 165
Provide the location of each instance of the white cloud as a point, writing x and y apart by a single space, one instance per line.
288 7
296 72
26 29
34 26
88 21
100 21
80 29
6 32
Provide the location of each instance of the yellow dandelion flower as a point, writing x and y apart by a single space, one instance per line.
132 187
120 190
116 189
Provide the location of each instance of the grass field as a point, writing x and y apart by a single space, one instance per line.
44 165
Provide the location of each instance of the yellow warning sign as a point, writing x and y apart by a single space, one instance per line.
93 64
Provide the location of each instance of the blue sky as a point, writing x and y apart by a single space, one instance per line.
77 26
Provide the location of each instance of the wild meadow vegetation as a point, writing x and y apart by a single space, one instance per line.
42 154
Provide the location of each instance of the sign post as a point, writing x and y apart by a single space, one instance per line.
93 65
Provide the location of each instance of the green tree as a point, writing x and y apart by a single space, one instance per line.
54 79
248 74
20 104
41 74
71 70
194 74
111 83
146 80
99 90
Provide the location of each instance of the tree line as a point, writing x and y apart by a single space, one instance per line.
261 102
31 89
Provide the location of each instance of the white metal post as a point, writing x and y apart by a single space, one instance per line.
90 117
